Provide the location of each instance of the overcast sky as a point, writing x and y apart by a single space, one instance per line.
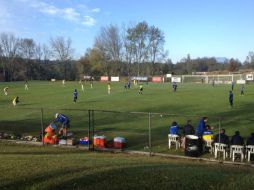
220 28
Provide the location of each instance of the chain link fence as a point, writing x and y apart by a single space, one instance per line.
142 131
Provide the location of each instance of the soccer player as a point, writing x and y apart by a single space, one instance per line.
231 98
232 85
63 82
140 89
6 90
82 87
65 122
242 90
26 85
129 84
109 88
75 95
15 101
174 86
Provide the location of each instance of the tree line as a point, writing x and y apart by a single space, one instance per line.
134 50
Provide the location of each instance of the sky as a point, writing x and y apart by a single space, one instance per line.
201 28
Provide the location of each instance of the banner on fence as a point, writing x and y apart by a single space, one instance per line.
156 79
240 81
104 78
140 78
168 75
87 77
249 77
176 79
115 79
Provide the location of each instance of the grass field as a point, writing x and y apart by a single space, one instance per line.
191 101
29 167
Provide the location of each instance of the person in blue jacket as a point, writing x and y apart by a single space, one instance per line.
174 129
201 127
65 122
75 95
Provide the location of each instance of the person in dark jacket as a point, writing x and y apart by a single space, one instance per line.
237 139
231 98
188 129
201 126
221 137
250 140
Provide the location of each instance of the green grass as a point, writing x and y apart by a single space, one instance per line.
28 167
191 101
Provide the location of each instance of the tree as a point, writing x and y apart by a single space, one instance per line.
9 49
27 50
156 43
62 51
109 44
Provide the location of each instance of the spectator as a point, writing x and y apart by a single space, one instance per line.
65 122
221 137
250 140
208 133
237 139
201 126
174 129
188 129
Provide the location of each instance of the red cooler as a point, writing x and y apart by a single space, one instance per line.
119 142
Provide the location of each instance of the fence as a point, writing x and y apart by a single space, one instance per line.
144 131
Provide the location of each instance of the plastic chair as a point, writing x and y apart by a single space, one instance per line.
249 151
208 143
237 149
173 139
220 147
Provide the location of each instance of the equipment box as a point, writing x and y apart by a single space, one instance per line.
72 142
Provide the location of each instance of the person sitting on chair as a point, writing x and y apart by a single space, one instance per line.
250 140
221 138
237 139
174 129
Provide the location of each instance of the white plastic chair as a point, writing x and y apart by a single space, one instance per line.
249 151
237 149
173 139
220 147
208 143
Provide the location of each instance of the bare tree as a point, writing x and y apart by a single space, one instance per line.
109 44
27 50
46 53
9 49
156 44
138 42
62 51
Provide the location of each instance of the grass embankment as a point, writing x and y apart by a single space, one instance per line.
30 167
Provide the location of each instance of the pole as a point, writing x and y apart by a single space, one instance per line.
42 128
93 125
149 127
219 134
89 128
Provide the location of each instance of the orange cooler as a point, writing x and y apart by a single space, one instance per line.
99 141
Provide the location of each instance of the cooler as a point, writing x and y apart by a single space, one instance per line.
99 141
119 142
192 145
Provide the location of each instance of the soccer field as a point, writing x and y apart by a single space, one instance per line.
191 101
